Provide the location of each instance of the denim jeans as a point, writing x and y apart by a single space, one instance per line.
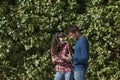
63 76
79 74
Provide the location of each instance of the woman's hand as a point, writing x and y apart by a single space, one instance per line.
68 57
53 60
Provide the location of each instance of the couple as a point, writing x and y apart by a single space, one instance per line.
62 55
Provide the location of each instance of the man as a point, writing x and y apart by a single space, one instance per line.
81 52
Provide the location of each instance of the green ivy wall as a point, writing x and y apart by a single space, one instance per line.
27 26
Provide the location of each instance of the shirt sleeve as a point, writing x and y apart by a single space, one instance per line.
57 59
83 56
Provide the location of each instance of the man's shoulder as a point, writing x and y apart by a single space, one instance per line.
82 38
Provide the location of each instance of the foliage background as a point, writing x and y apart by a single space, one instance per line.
27 26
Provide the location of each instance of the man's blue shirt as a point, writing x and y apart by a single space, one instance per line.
81 53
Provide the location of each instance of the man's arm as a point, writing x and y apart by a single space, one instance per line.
83 56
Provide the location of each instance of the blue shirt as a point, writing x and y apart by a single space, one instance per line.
81 53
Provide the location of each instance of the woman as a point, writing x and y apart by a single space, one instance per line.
61 57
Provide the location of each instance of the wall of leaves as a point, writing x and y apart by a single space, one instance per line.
27 26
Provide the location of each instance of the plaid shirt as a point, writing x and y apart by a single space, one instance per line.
63 65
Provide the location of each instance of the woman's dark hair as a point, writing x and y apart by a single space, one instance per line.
73 29
55 45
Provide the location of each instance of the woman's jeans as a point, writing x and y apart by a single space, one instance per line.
79 74
63 76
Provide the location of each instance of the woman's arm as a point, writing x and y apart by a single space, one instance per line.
57 59
68 54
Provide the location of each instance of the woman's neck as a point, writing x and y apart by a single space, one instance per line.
62 44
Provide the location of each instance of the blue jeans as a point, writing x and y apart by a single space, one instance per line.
79 74
63 76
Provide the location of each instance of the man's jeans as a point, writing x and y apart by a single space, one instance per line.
63 76
79 74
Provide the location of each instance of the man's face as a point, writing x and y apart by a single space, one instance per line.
73 35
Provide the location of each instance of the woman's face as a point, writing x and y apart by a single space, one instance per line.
62 40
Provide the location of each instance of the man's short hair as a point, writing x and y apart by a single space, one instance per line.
73 28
